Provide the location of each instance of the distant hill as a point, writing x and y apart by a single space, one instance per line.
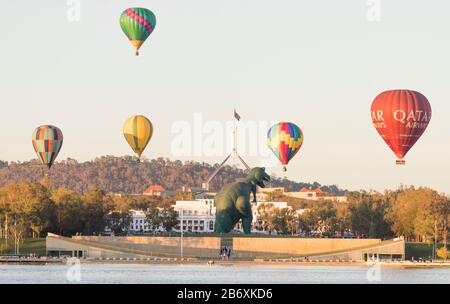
126 175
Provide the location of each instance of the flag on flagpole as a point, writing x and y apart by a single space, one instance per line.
237 116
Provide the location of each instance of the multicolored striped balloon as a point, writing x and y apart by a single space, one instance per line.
138 130
137 23
47 142
285 139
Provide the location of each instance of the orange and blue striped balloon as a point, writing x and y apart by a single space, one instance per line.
47 142
285 140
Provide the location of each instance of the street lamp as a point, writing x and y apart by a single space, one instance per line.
182 230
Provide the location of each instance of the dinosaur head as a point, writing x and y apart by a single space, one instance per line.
258 177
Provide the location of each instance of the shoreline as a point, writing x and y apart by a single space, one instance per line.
229 263
406 265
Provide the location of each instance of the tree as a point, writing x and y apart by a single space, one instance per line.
95 208
118 222
42 210
279 221
368 216
412 213
69 212
30 207
343 218
153 219
125 175
320 218
443 253
168 218
292 220
265 217
441 209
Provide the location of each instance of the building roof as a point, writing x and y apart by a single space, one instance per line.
152 188
309 190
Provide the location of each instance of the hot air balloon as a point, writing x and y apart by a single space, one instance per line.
401 117
285 139
137 23
47 142
138 130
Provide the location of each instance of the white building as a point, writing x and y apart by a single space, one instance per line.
138 221
196 216
316 195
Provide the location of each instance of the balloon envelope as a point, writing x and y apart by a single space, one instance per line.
138 130
285 139
137 23
401 117
47 142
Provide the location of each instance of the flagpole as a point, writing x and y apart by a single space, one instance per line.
15 236
435 239
6 230
237 118
182 232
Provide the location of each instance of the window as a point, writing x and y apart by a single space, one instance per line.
211 225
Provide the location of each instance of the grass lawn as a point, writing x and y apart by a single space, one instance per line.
420 250
36 246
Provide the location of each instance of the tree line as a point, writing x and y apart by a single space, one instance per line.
417 214
128 176
34 209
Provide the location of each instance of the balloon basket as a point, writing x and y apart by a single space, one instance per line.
400 162
137 53
284 169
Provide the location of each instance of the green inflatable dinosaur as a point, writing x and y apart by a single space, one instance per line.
233 202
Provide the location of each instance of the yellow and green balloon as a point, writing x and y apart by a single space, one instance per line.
138 130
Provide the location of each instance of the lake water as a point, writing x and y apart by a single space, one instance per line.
203 274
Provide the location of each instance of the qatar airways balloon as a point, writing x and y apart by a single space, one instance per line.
401 117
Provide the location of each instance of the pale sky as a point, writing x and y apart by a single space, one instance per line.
318 63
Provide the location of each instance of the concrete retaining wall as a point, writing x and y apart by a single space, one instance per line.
192 246
250 247
243 247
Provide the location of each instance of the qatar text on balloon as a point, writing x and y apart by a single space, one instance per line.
413 119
